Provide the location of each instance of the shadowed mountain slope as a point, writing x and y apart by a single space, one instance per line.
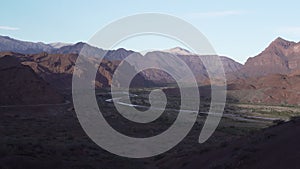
21 86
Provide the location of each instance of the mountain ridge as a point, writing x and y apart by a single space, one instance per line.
280 57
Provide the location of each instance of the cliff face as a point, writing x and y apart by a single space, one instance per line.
280 57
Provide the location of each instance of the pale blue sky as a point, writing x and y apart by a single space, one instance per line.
238 29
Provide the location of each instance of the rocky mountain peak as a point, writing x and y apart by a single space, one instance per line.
281 56
281 43
179 51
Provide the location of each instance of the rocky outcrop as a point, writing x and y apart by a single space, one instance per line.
271 89
22 86
281 56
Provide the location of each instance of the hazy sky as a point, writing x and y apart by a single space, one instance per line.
238 29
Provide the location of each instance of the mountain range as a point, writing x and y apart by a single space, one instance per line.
269 77
46 59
